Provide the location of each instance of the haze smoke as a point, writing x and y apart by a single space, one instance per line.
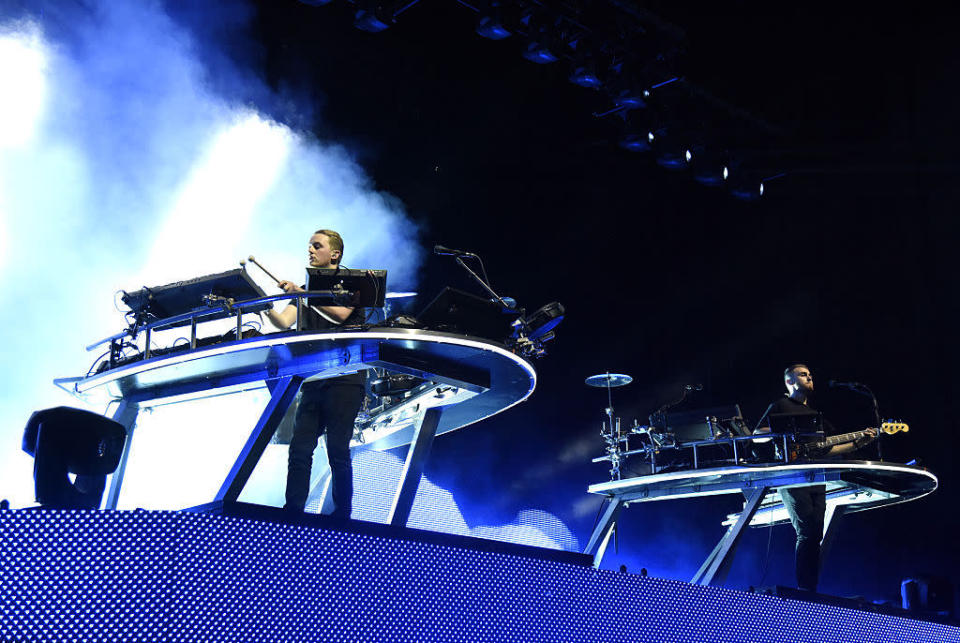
132 153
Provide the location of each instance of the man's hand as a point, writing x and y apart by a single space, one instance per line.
871 435
289 286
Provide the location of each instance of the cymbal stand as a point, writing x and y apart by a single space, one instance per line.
611 435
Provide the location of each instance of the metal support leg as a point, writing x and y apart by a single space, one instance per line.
830 528
600 537
126 414
281 397
413 467
717 565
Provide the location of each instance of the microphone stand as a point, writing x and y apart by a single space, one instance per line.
864 390
658 418
482 283
876 415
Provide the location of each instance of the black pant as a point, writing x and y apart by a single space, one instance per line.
329 406
807 507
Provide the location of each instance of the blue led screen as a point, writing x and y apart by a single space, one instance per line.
151 576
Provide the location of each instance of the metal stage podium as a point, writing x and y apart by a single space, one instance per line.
466 379
851 486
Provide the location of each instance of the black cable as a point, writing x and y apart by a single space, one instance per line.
484 271
115 302
96 362
130 345
599 511
376 298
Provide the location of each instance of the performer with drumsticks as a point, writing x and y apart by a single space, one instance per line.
326 406
806 506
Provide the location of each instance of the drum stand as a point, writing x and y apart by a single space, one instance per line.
610 430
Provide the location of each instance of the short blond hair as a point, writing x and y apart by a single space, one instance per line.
336 242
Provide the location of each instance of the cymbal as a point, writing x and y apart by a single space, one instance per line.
608 379
400 295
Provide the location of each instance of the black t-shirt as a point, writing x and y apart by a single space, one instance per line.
312 320
790 406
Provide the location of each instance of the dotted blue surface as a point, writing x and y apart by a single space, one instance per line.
165 576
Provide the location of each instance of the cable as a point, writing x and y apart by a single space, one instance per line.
483 269
96 362
599 511
376 298
117 306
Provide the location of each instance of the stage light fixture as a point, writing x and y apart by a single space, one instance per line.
638 135
538 52
710 167
491 24
491 28
372 17
585 75
710 174
587 67
637 142
65 440
631 99
542 322
751 185
674 157
746 188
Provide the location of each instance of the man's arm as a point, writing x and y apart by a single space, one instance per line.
855 445
285 318
288 316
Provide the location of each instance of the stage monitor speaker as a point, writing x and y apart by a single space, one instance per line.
455 311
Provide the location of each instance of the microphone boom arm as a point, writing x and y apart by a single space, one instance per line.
482 282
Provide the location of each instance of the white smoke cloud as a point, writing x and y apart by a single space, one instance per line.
121 166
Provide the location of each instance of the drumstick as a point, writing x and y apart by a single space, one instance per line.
254 261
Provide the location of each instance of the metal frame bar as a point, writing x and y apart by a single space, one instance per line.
715 568
283 391
417 455
651 449
196 315
600 538
126 414
830 521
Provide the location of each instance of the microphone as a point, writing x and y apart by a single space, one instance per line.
849 385
443 250
693 387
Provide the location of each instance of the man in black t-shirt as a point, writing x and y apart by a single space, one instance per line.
806 506
326 406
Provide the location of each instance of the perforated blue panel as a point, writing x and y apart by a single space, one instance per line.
152 576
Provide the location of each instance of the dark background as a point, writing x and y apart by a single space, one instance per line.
846 263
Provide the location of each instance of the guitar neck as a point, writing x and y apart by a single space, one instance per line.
843 438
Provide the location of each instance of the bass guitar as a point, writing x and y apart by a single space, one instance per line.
820 448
